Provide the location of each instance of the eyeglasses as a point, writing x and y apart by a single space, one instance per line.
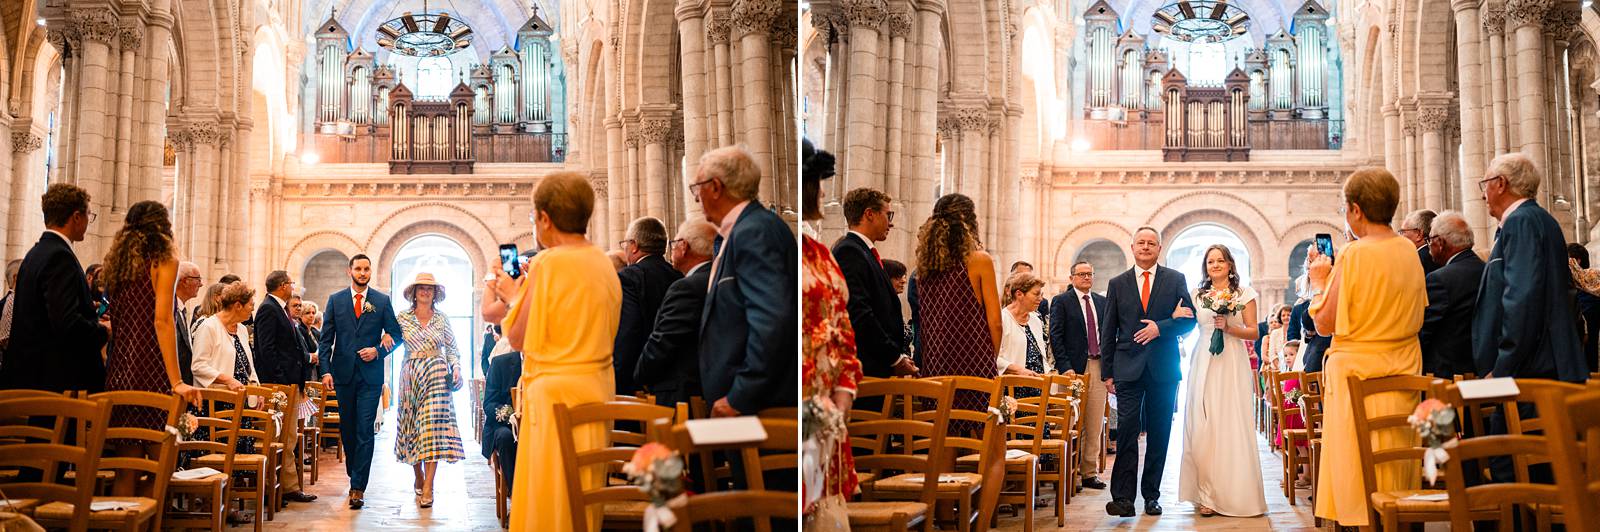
675 242
195 277
623 244
1083 274
91 215
695 185
1483 184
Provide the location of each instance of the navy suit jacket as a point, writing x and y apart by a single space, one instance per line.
748 330
279 353
1524 326
874 307
55 335
670 360
343 335
1123 359
644 286
1069 340
1446 334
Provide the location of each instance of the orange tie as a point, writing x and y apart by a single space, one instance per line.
1144 293
358 306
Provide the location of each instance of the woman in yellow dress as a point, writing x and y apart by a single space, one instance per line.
564 317
1372 299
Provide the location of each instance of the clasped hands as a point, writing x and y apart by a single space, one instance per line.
367 354
1150 332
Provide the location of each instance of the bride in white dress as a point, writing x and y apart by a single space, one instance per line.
1221 470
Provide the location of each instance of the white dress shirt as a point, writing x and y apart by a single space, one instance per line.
213 352
1139 280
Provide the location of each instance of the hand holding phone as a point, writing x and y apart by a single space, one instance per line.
509 260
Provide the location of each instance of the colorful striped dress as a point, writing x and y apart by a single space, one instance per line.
426 428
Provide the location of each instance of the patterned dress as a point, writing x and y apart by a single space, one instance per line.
133 360
427 429
955 337
829 355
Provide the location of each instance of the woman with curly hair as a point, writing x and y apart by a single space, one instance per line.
958 300
141 278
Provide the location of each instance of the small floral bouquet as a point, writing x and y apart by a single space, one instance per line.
1076 388
187 425
1435 422
1007 409
503 414
659 472
278 402
1222 302
313 393
366 306
1295 395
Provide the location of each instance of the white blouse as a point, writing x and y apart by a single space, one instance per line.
1014 346
214 354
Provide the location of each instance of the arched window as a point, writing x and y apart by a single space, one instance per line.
433 78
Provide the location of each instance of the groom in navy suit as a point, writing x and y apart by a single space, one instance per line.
351 353
1147 308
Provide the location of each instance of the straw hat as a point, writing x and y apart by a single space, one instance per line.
424 279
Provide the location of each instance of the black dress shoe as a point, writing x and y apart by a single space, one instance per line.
1120 508
356 502
1093 483
299 496
1152 508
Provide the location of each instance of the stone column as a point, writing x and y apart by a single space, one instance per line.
1394 150
973 125
752 21
861 145
994 190
692 50
130 38
718 30
654 132
899 25
97 31
1030 222
223 213
631 188
261 225
602 194
1468 43
9 201
1432 116
1413 189
1527 16
1494 25
239 236
1561 23
23 144
617 160
925 128
153 127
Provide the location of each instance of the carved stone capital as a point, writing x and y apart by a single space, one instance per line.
1463 5
132 37
1562 21
202 133
717 28
947 127
900 23
1494 20
1408 125
1030 175
865 13
785 31
65 41
95 25
755 16
970 119
1526 12
598 183
1433 118
655 130
631 137
25 142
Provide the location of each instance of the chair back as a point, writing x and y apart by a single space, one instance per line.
869 439
1470 412
258 422
1522 447
1028 422
781 446
318 395
780 412
958 444
154 470
1282 410
761 506
1403 447
615 450
1576 440
88 417
222 411
859 414
1064 408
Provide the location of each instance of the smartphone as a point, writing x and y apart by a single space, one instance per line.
509 260
1324 242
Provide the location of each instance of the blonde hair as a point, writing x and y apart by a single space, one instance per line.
1019 282
1376 191
567 198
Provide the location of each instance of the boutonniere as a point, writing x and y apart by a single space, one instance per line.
366 306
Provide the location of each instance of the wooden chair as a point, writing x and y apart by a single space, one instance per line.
330 423
623 504
762 506
1577 465
958 489
148 472
258 465
1312 412
1024 432
869 439
1293 457
311 433
1393 507
1065 412
46 450
502 490
283 441
222 427
778 452
1496 501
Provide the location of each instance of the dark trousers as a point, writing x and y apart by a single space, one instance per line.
358 411
505 447
1501 468
1142 405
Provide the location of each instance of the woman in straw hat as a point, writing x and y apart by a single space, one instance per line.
427 430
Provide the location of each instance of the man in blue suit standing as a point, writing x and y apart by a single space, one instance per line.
359 330
1147 308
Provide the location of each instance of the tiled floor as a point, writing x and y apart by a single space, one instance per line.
463 492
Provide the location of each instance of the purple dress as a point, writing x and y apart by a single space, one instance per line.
955 336
133 358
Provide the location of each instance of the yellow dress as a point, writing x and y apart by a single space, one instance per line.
1382 293
569 298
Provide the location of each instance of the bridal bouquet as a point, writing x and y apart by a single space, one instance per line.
1222 302
1435 422
659 472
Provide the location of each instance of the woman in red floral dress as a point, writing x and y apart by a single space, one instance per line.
830 369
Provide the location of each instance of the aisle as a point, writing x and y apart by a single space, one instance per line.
1088 508
463 491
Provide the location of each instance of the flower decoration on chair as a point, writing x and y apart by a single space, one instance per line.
187 425
1222 302
503 414
1076 388
1435 422
276 404
659 472
822 426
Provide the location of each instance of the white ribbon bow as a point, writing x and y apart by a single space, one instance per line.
1431 459
657 518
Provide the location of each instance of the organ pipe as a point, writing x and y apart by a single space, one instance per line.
1100 66
1132 82
1282 80
1311 65
360 95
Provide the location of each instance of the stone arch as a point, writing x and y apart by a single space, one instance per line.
1234 206
1435 24
309 246
195 32
1076 238
451 220
649 51
1295 234
1170 229
399 239
968 46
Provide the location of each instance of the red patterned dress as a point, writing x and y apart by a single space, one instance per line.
955 337
133 358
829 354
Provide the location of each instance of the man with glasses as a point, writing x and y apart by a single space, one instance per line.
874 306
189 283
56 336
669 364
644 284
1416 228
1076 316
